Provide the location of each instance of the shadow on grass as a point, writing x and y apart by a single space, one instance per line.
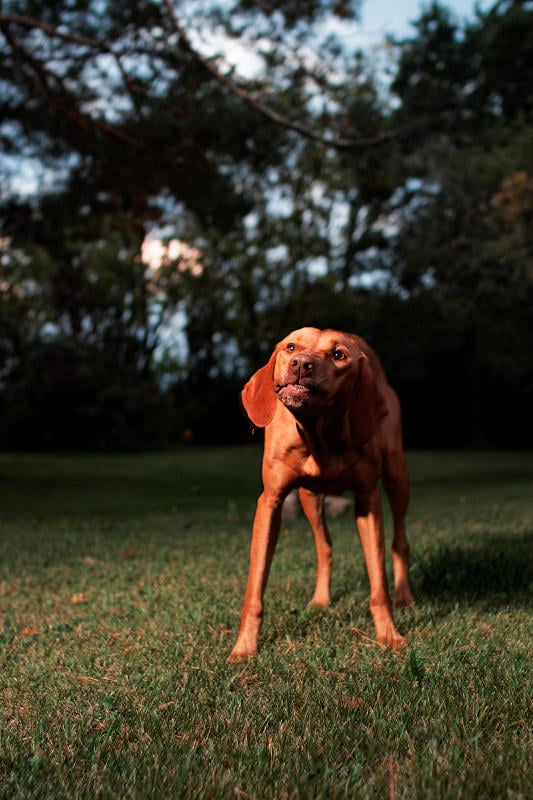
498 571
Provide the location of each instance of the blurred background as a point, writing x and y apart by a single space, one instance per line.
183 183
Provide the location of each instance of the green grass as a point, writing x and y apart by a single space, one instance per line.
121 580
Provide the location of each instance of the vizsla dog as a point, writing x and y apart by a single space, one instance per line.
332 423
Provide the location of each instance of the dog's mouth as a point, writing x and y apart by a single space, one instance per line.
292 393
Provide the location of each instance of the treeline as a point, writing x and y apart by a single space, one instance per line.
390 195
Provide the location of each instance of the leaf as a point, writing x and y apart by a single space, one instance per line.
26 632
79 599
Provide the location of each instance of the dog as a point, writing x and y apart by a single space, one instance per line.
332 423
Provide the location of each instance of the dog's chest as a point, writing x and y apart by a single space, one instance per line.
327 456
334 474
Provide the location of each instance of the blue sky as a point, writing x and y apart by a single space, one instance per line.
381 17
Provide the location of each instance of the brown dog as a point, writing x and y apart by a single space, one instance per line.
332 424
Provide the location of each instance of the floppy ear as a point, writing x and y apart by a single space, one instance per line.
258 396
368 405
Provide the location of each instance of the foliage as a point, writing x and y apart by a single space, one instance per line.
120 591
80 371
314 193
464 245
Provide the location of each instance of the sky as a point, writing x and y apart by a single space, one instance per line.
382 17
379 18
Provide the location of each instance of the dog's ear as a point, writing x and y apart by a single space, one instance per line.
258 396
368 405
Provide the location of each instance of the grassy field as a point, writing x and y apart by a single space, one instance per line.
121 580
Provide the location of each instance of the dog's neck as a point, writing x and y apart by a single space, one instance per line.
325 435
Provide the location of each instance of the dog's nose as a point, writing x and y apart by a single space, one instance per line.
301 366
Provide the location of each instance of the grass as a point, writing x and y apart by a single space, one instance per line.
121 581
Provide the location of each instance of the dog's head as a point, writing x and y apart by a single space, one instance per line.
314 372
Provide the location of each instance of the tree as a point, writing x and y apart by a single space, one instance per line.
76 307
132 127
464 245
312 194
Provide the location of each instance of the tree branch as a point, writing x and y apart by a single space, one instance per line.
338 143
278 119
70 111
52 32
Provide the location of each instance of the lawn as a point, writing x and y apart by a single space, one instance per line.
121 580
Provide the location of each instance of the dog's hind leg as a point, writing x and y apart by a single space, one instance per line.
313 508
396 483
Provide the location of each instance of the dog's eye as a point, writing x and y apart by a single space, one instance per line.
291 347
339 355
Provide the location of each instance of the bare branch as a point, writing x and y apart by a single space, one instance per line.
51 32
278 119
41 84
338 143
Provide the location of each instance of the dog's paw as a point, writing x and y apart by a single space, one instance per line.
240 654
403 597
393 640
318 603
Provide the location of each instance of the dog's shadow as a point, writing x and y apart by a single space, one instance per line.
499 572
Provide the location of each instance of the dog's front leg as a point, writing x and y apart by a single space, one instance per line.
264 539
370 526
